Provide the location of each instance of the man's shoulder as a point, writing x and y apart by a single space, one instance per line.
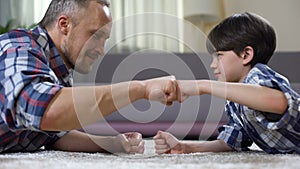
18 37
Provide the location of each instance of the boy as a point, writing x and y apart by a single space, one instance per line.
261 106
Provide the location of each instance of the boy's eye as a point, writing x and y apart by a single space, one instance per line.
219 55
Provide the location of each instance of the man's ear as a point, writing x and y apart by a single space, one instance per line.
64 24
247 55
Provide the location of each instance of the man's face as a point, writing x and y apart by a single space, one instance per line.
86 39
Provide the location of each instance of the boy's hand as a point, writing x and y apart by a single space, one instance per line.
185 89
166 143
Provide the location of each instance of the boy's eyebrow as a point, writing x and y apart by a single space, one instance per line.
213 54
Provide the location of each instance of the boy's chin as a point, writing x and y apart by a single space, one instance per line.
221 80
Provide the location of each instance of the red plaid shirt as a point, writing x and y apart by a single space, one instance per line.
32 72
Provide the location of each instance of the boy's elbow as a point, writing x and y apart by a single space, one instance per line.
280 105
283 107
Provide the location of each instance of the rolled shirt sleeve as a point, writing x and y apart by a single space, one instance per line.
271 132
268 78
233 133
32 73
27 87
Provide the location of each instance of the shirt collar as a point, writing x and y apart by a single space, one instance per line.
56 62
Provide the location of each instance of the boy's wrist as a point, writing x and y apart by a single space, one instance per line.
186 147
204 87
191 146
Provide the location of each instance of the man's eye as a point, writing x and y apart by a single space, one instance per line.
96 36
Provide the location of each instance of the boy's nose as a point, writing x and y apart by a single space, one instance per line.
213 64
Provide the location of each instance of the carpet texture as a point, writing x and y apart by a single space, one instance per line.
149 160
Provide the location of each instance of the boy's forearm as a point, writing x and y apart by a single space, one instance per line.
254 96
205 146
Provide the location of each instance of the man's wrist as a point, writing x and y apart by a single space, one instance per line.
137 90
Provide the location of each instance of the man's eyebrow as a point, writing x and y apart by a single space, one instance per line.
104 2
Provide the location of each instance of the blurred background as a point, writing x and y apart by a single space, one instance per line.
143 24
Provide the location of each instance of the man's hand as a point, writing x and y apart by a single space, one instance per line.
161 89
131 142
166 143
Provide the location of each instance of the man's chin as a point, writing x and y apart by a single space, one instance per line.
83 69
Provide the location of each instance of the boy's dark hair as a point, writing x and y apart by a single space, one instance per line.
241 30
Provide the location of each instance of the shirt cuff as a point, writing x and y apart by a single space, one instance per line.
233 138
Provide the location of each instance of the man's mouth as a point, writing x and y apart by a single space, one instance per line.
93 55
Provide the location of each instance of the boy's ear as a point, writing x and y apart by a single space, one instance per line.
247 55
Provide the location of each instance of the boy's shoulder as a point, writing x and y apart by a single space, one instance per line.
262 72
263 75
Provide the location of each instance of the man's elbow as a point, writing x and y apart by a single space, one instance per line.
49 122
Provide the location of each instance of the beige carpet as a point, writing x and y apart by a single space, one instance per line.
56 160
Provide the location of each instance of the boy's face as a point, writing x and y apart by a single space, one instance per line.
228 66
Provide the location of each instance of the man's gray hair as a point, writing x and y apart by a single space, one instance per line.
66 7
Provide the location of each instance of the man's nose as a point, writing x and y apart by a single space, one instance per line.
100 51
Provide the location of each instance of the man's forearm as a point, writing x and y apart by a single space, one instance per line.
75 107
76 141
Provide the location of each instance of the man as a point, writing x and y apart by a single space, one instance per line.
37 100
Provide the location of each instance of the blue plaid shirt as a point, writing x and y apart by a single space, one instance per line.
271 132
32 72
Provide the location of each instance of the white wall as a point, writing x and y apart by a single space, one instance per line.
25 12
283 15
40 8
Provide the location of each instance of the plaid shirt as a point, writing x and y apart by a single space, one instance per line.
32 72
271 132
